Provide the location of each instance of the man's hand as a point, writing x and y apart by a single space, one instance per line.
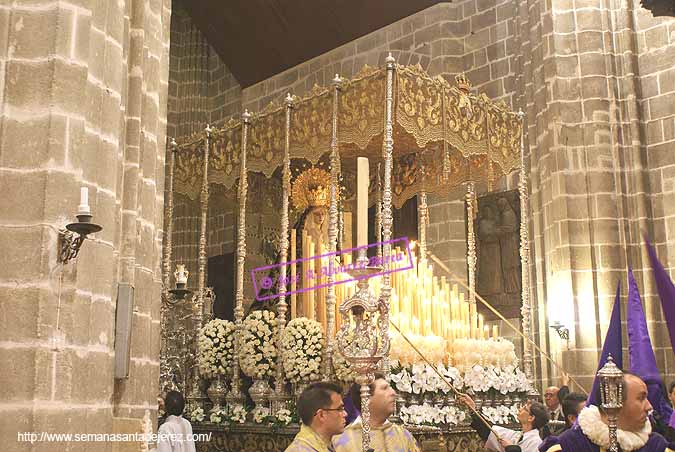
468 401
565 378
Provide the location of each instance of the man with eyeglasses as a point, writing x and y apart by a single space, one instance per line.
384 436
553 401
532 416
553 404
322 414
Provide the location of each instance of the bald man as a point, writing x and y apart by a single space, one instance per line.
634 431
553 404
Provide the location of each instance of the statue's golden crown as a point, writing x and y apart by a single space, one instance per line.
317 196
310 189
463 83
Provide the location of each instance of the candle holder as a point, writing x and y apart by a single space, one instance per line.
611 397
180 292
71 239
181 274
563 332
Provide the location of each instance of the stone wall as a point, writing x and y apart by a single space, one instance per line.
83 92
446 39
189 102
655 39
201 88
202 91
185 236
591 166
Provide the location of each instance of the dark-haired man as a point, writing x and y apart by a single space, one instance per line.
572 405
532 416
384 436
634 431
322 415
175 434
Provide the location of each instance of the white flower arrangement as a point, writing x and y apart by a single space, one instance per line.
258 351
453 415
477 379
197 415
301 350
216 348
401 380
426 414
421 378
217 416
506 380
260 414
521 382
452 375
343 369
233 415
502 414
284 416
238 414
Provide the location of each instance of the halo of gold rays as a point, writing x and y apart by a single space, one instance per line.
310 189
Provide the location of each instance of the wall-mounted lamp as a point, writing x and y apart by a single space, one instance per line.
181 274
69 243
561 329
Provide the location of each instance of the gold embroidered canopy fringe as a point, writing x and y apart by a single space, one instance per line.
444 135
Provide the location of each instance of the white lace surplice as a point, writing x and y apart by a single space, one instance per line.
175 435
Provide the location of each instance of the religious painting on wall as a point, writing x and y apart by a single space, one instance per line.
498 269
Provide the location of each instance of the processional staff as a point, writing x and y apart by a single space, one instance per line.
195 391
234 396
279 392
335 170
525 255
611 396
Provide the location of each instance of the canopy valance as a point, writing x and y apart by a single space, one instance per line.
443 135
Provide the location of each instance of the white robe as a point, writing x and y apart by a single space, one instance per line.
175 435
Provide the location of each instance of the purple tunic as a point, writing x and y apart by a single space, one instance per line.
574 440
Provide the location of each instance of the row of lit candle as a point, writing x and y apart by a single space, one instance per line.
421 304
424 304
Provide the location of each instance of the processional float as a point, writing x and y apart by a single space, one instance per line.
404 122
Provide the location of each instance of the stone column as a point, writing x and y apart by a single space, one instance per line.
590 128
83 103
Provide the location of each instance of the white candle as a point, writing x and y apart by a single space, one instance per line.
362 181
181 274
83 208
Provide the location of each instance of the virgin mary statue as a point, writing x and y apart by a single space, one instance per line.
310 200
310 197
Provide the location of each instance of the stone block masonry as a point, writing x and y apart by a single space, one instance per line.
83 102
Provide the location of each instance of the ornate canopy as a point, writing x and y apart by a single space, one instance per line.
443 135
